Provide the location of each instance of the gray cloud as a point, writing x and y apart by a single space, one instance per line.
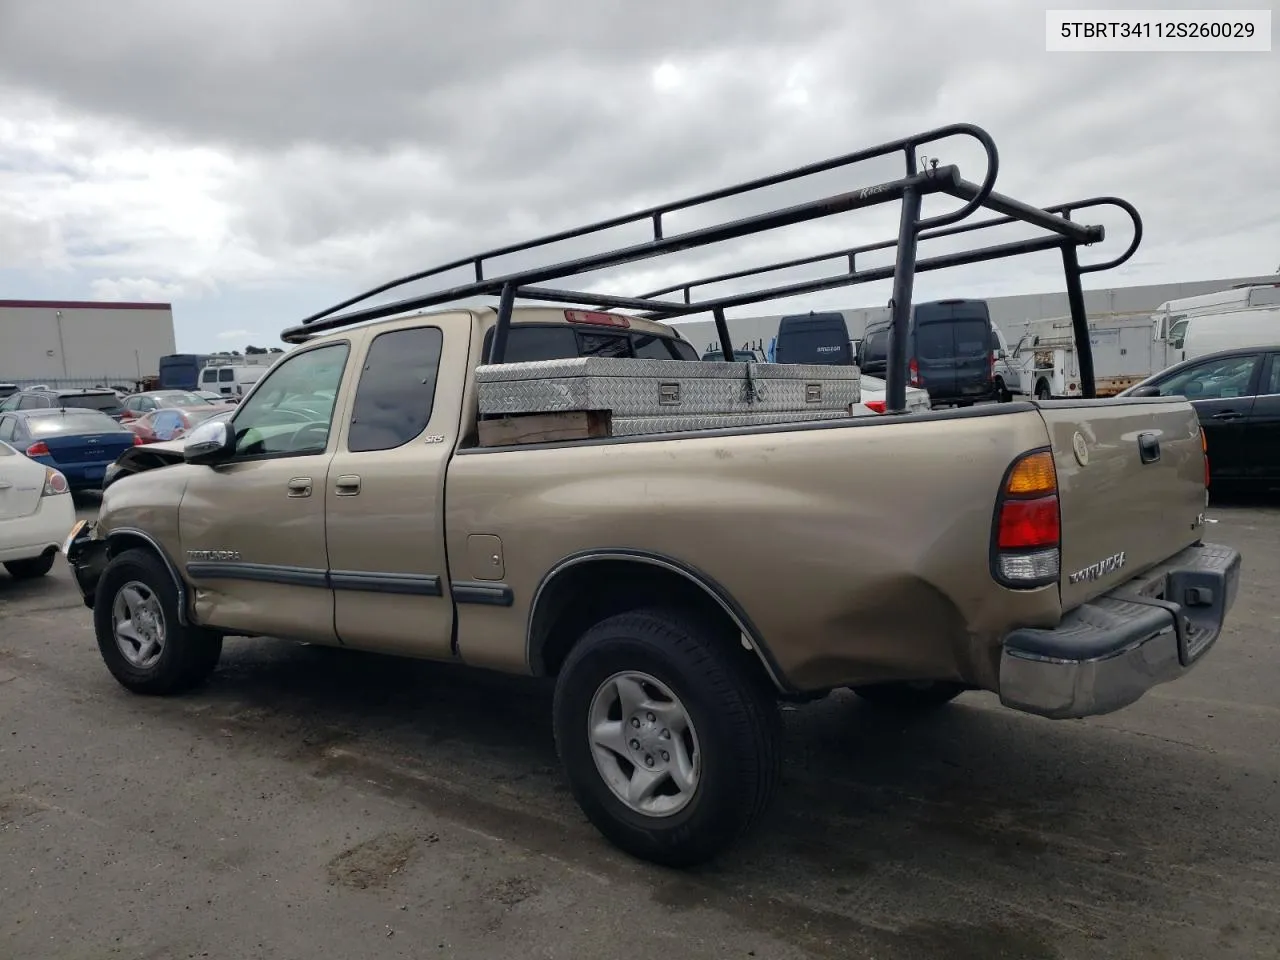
362 140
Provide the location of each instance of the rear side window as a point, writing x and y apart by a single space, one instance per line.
397 389
226 375
209 376
32 403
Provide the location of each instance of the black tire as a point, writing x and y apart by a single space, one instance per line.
30 568
732 710
910 696
1043 392
189 653
1002 393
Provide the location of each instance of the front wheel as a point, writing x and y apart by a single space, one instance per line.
669 743
140 636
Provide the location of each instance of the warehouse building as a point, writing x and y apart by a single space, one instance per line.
1009 313
77 343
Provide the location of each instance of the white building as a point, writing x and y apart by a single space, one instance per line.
1007 312
74 343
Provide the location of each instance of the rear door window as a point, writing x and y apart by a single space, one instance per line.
397 389
944 339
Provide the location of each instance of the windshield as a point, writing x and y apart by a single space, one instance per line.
70 424
107 402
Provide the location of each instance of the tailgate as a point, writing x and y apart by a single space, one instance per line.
1121 515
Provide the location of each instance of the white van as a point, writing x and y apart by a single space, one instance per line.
233 376
1210 333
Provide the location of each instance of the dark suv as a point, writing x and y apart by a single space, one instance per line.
107 401
950 351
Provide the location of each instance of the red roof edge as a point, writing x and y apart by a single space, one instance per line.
86 305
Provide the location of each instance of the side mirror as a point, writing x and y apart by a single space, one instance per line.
1001 355
1177 344
1150 390
209 443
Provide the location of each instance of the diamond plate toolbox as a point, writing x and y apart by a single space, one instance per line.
643 426
664 388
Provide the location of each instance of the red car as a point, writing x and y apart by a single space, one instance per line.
137 405
170 423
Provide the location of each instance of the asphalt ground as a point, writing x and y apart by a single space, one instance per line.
314 803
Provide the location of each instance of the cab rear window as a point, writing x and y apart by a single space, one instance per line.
528 342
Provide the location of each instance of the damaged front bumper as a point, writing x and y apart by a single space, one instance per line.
86 554
1107 653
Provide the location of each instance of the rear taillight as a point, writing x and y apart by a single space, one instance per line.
1204 448
137 440
54 483
875 406
1025 547
38 449
913 372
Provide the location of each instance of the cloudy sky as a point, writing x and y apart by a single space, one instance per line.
253 161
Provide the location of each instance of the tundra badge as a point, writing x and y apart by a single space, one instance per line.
213 554
1095 571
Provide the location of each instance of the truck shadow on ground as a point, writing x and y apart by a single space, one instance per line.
972 831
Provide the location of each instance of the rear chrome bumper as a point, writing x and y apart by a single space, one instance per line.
1106 654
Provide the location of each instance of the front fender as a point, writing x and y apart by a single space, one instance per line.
86 552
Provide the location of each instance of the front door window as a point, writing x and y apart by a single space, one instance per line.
291 412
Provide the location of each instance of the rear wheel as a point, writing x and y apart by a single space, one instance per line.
1042 391
30 568
140 636
669 742
913 696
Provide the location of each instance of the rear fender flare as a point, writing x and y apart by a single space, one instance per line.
697 578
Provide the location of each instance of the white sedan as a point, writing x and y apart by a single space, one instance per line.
36 513
873 396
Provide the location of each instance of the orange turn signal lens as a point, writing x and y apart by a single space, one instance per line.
1033 475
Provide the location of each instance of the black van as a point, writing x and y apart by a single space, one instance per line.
951 348
813 338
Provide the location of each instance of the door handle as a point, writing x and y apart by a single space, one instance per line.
300 487
347 485
1226 415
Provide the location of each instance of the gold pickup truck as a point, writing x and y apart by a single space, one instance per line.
1049 552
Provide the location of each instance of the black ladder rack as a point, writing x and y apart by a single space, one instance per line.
1061 232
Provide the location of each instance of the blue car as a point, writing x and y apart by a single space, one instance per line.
78 443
